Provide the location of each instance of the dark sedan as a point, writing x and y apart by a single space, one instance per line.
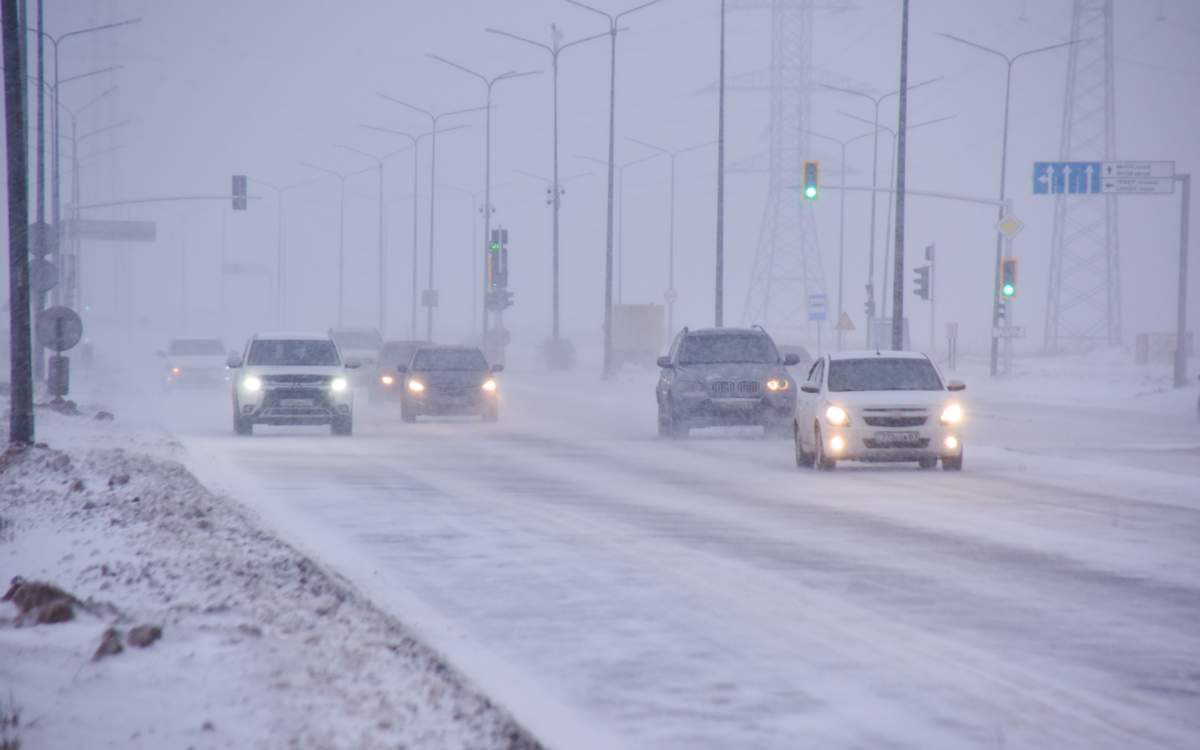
449 381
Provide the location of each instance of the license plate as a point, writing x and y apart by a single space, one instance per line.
897 438
295 403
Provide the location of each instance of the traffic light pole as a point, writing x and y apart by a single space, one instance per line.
1181 349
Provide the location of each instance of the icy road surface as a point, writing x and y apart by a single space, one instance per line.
614 589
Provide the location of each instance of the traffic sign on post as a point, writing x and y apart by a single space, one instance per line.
59 328
43 275
816 307
1101 177
844 323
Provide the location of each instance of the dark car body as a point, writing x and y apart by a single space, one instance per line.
724 376
449 381
386 384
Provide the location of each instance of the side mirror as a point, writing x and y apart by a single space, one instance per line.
233 361
665 363
497 368
810 388
353 364
401 368
956 385
791 359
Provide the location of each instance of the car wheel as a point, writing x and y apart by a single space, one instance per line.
491 413
820 460
927 463
664 422
242 426
953 464
342 426
406 413
678 427
804 459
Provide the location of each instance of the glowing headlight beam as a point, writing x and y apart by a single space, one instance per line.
387 380
489 386
337 385
837 416
252 384
778 384
416 386
952 414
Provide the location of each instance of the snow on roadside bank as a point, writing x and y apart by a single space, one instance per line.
260 647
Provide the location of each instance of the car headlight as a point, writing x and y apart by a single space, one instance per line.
778 384
952 414
337 385
837 416
489 385
387 380
416 386
175 371
251 384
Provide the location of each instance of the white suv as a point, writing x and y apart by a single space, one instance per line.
878 406
292 379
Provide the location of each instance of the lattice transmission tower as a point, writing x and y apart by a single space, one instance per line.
1084 306
787 261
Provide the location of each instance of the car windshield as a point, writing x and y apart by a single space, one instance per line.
879 374
294 352
357 339
196 347
399 352
449 359
715 349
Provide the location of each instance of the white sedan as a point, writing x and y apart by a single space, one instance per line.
878 406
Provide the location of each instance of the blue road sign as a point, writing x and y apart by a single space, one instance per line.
1066 178
816 307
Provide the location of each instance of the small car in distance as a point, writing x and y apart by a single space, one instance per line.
878 406
292 379
385 384
449 381
725 376
193 363
361 345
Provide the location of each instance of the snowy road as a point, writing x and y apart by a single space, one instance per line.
615 589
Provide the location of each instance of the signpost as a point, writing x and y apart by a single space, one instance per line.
43 275
1101 177
817 307
60 329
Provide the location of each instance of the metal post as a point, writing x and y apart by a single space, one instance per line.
432 203
993 366
1181 320
557 190
279 265
620 235
671 260
382 262
608 240
341 249
415 209
898 277
841 251
21 393
719 294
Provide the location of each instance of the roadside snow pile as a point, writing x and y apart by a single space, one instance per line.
238 640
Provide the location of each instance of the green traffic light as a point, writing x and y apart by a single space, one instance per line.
1008 290
810 191
495 247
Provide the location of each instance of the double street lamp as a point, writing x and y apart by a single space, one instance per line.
555 48
1008 61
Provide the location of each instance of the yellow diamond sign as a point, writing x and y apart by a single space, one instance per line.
1010 226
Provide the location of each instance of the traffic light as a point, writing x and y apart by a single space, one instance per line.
1001 312
921 281
1008 278
812 179
497 259
499 299
239 192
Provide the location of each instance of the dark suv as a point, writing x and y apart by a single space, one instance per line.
725 376
449 380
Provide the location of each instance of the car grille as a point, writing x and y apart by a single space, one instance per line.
919 444
895 421
288 380
734 389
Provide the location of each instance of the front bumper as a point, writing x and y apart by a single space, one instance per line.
452 402
702 410
294 406
875 444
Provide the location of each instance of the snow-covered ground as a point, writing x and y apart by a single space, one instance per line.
261 647
612 589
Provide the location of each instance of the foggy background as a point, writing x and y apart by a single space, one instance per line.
257 87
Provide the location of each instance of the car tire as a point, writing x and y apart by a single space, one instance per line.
342 426
664 422
927 463
953 464
821 461
804 459
679 427
242 426
406 413
491 413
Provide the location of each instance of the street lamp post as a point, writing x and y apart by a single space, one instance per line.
554 48
671 295
876 101
280 286
1008 61
487 158
434 119
613 29
841 224
382 275
341 178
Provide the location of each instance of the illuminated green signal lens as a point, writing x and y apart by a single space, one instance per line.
810 192
495 247
1008 290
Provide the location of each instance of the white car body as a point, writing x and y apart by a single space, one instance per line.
292 394
878 425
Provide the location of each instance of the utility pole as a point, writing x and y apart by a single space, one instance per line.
901 143
341 178
719 291
20 426
614 28
1181 349
555 48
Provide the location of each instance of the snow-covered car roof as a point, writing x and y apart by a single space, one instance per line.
871 353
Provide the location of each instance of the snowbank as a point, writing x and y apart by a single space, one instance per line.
260 646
